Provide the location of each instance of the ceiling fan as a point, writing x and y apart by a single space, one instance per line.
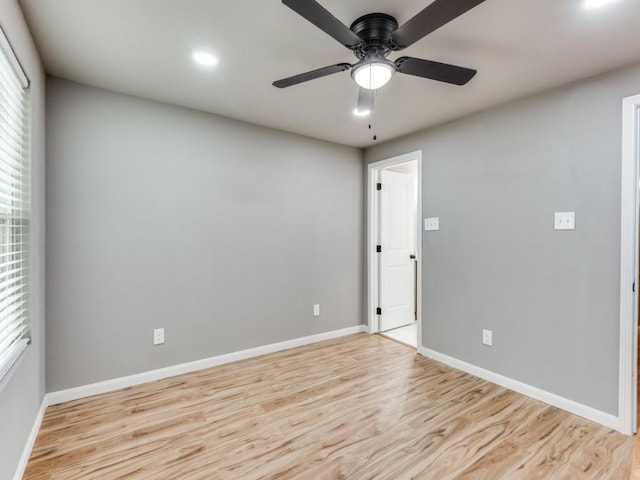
373 37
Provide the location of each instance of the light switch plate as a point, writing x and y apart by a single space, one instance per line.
565 221
158 336
431 224
487 337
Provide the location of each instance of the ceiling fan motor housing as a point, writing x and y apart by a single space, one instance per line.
374 29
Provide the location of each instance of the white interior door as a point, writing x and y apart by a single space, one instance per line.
397 238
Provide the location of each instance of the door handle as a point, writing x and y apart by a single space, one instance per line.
412 256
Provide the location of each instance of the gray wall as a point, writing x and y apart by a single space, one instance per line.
221 232
551 297
22 395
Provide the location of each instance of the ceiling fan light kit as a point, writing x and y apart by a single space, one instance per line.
374 36
373 74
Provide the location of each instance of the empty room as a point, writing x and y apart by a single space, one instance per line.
300 239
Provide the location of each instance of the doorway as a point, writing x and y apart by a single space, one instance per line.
394 245
629 267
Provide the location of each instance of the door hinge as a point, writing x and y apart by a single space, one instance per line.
633 287
378 248
379 186
378 311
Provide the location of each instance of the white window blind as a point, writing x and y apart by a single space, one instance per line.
14 208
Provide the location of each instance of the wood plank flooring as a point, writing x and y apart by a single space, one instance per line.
358 407
635 470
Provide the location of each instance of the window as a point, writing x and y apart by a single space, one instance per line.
14 208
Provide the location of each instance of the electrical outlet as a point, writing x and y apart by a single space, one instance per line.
487 337
564 221
158 336
431 224
316 310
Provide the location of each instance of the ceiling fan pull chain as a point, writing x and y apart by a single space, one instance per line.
375 137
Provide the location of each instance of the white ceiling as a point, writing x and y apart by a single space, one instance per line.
143 48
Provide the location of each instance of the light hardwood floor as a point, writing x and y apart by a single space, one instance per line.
635 471
358 407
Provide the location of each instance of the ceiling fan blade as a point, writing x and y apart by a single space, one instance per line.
366 101
325 21
312 75
441 72
437 14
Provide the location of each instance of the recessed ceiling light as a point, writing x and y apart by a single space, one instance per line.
596 3
204 58
361 113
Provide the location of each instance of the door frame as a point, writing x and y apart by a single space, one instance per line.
629 214
373 232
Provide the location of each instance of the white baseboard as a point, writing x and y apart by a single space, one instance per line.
570 406
70 394
26 453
